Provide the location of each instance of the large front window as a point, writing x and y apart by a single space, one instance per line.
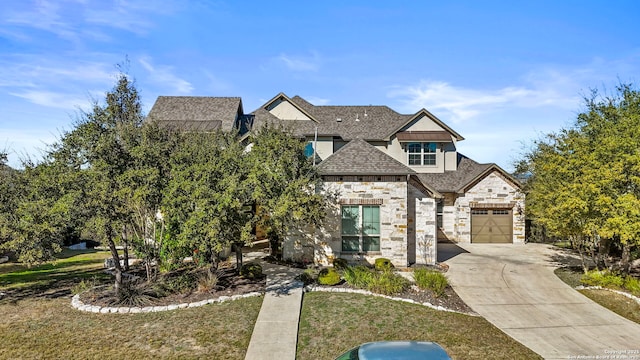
360 228
422 153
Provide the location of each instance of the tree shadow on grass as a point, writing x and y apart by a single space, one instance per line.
53 286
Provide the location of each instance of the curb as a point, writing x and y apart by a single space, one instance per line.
630 296
78 304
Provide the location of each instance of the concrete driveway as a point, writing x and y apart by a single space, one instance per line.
514 287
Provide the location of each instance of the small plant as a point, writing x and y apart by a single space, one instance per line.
432 280
340 264
251 271
358 276
135 294
632 284
178 284
602 278
328 276
208 282
382 264
388 283
307 277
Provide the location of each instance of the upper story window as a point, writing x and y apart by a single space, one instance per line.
421 153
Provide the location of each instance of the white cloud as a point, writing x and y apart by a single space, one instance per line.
317 101
164 75
300 63
54 99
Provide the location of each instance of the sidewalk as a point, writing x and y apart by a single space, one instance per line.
275 334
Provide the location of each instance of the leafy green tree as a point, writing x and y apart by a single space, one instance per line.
285 185
207 193
584 181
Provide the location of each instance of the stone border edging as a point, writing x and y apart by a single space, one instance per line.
78 304
310 288
630 296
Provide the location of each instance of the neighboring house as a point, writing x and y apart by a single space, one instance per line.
402 183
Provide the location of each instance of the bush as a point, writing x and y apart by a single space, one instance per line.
340 264
382 264
208 281
358 276
182 283
251 271
632 284
328 276
602 278
84 285
388 283
135 294
432 280
307 277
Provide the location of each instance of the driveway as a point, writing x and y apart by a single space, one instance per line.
514 287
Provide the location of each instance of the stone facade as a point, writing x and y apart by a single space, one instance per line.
407 226
492 190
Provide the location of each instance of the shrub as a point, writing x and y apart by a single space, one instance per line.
208 281
182 283
328 276
358 276
383 264
388 283
135 294
602 278
432 280
632 284
251 271
307 277
340 264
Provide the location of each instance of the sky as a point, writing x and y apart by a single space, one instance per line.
500 73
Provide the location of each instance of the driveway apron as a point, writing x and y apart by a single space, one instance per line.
514 288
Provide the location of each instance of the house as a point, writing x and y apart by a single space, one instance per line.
402 184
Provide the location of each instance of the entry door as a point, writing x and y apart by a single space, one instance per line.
491 226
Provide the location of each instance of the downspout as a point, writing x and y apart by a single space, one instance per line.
315 143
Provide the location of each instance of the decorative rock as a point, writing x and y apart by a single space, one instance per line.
159 308
224 298
113 310
104 310
135 310
183 305
123 310
147 309
172 307
95 309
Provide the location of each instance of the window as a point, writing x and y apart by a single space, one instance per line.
360 228
422 153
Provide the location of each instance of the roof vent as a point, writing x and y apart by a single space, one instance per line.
357 119
338 119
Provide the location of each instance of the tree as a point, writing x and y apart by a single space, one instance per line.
205 202
585 181
285 185
99 151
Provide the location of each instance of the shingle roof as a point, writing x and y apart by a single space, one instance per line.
455 181
358 157
368 122
187 110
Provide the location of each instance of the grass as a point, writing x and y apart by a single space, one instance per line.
38 321
331 323
51 329
617 303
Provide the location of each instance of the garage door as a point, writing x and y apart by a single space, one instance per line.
491 226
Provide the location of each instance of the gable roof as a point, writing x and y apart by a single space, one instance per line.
196 113
425 112
358 157
468 173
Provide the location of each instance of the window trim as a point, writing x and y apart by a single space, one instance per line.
428 150
361 233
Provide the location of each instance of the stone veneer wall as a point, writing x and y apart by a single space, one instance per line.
422 228
493 189
393 223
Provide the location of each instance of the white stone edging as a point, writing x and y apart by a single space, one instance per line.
78 304
630 296
310 288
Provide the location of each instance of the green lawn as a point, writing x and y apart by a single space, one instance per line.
331 323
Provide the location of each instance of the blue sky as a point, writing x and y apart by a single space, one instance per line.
498 72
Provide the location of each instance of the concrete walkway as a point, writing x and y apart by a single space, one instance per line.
275 334
514 287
